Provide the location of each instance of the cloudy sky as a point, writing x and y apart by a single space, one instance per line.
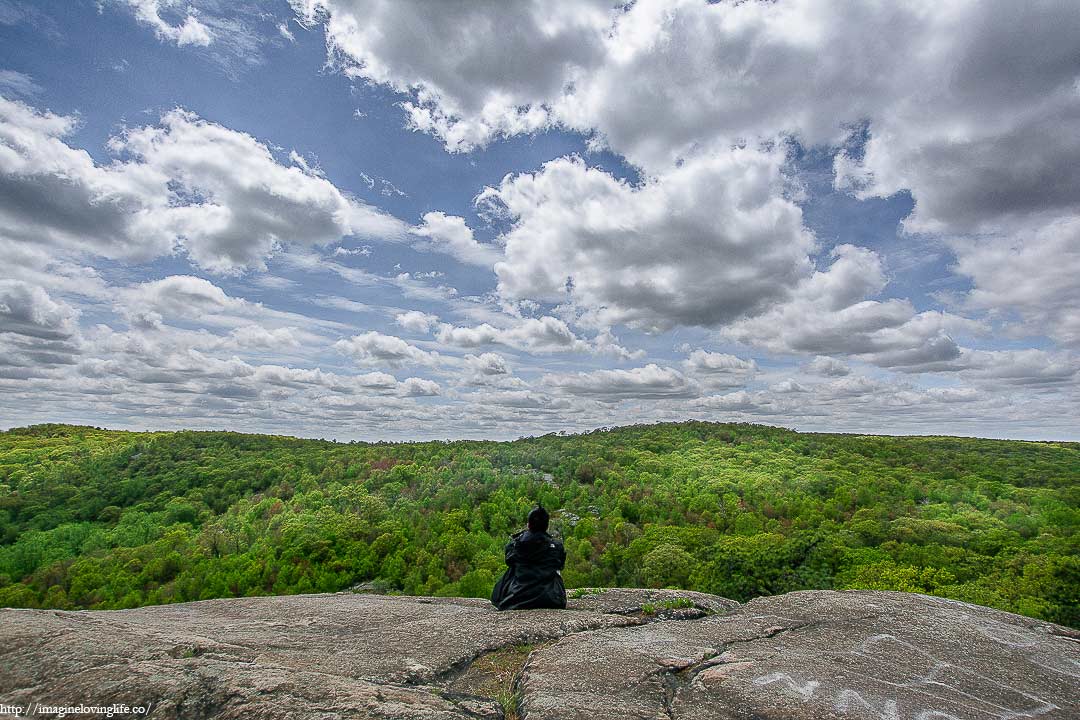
364 219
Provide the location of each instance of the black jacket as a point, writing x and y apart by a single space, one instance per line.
533 578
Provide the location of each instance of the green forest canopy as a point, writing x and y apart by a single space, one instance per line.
95 518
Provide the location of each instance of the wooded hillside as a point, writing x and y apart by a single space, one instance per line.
105 519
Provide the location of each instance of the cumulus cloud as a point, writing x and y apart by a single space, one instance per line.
605 343
857 403
37 333
1032 366
707 242
788 386
488 364
969 106
718 369
241 201
29 311
417 321
661 77
197 313
188 183
1021 367
524 400
642 383
259 337
182 296
374 348
449 234
992 136
1034 275
419 387
474 71
55 194
169 364
828 314
544 334
489 370
754 403
840 401
827 366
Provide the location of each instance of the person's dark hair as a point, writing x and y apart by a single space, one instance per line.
538 519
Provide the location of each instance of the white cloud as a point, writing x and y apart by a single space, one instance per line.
217 193
181 302
257 336
985 131
40 265
241 201
450 234
488 364
193 32
472 66
852 402
700 245
544 334
788 386
55 194
29 311
1032 366
234 36
37 333
718 369
1035 274
340 303
170 365
17 83
972 107
363 251
827 314
189 32
523 400
1021 367
648 382
489 370
419 387
956 95
757 403
827 366
417 321
183 296
374 348
605 343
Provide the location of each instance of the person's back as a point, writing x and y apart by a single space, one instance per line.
533 578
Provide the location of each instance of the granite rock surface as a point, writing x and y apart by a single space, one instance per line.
620 653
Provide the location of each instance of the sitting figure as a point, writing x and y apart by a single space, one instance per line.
533 578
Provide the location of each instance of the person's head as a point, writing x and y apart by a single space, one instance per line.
538 519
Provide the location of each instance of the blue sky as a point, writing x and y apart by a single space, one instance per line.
351 219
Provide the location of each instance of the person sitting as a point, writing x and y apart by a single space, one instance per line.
533 578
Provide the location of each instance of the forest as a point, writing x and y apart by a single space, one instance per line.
93 518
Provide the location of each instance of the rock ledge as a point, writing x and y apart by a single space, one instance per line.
620 653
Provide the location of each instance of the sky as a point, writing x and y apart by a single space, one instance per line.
393 220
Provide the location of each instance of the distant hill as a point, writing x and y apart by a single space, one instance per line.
94 518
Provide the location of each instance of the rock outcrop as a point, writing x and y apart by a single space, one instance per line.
612 654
